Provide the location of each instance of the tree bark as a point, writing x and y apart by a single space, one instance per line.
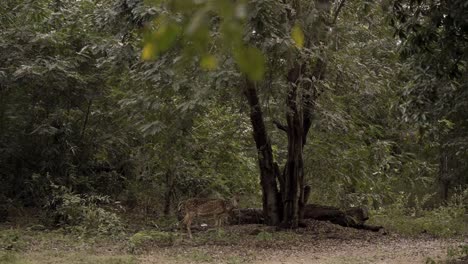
301 103
303 202
293 188
269 170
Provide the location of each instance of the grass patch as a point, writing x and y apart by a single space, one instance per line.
16 239
445 221
194 256
237 260
432 223
12 239
455 255
8 257
216 236
200 256
264 236
63 257
144 240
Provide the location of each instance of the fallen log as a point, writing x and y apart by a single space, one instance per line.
352 217
349 217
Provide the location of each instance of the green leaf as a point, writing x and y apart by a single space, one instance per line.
166 35
251 61
298 36
149 51
209 62
161 39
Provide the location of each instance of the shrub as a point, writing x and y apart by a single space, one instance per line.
446 220
82 213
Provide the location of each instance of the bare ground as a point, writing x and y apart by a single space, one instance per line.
387 249
321 242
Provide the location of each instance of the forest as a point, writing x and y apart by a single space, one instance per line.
233 131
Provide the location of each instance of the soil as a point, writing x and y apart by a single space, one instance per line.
320 242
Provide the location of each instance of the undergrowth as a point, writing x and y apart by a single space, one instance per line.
444 221
82 213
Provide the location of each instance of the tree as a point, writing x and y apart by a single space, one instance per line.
57 115
291 37
434 37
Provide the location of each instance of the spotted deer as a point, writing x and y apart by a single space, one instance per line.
205 207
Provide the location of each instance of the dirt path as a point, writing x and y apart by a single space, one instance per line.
384 251
320 242
325 251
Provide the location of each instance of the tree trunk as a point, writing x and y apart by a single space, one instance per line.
269 170
300 106
303 202
286 206
293 187
301 103
443 174
168 193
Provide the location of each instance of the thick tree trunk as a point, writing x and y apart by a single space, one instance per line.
303 202
293 187
287 206
300 106
269 170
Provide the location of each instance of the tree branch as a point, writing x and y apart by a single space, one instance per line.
340 6
280 126
86 119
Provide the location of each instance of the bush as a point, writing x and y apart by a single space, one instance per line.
444 221
82 213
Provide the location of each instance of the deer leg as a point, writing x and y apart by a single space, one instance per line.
188 223
189 226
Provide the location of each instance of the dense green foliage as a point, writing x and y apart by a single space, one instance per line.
59 116
435 41
141 102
